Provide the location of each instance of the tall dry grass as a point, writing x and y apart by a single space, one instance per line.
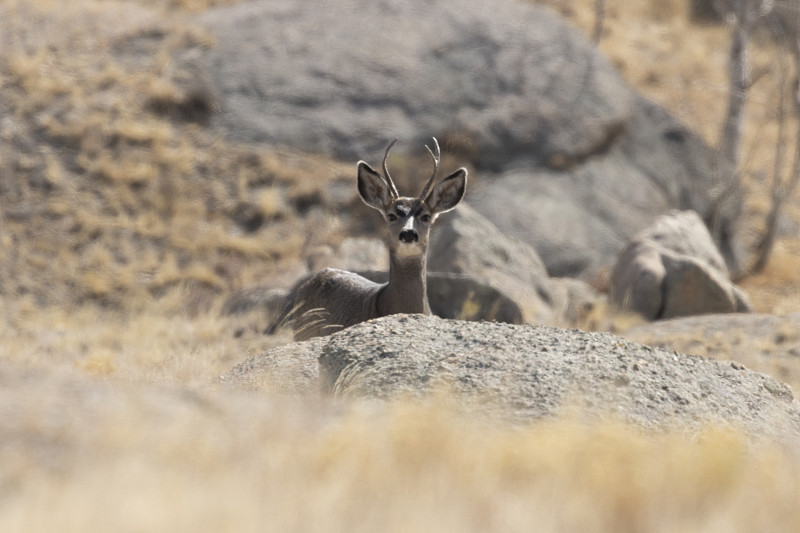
122 458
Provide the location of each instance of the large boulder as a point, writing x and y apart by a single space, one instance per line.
464 242
575 302
578 216
523 373
672 268
583 161
346 76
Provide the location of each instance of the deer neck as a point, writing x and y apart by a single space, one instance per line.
406 291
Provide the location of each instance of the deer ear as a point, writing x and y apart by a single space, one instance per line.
373 188
448 192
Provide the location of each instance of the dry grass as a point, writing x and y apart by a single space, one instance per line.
777 289
134 460
115 174
124 224
169 342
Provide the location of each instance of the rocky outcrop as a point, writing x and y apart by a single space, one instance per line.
572 161
523 373
464 242
345 77
673 269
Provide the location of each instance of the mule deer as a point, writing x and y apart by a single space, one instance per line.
333 299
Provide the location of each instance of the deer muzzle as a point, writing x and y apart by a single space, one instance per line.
409 236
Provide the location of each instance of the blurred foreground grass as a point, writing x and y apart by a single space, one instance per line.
84 454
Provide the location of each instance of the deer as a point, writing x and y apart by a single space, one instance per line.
332 299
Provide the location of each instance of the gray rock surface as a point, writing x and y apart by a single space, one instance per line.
767 343
467 243
527 372
672 268
346 76
580 216
585 162
573 301
290 369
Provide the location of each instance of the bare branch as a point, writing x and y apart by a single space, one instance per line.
599 20
738 79
766 243
782 188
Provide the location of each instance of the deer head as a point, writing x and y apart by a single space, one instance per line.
409 219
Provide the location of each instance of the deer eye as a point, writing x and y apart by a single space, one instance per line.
392 217
425 218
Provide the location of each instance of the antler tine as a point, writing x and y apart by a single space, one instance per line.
437 156
389 181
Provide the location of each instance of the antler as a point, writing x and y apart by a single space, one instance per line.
389 181
436 159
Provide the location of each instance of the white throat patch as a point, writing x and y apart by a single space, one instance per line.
408 249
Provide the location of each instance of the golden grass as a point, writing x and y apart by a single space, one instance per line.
136 193
200 461
777 289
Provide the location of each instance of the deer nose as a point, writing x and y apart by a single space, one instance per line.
409 236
